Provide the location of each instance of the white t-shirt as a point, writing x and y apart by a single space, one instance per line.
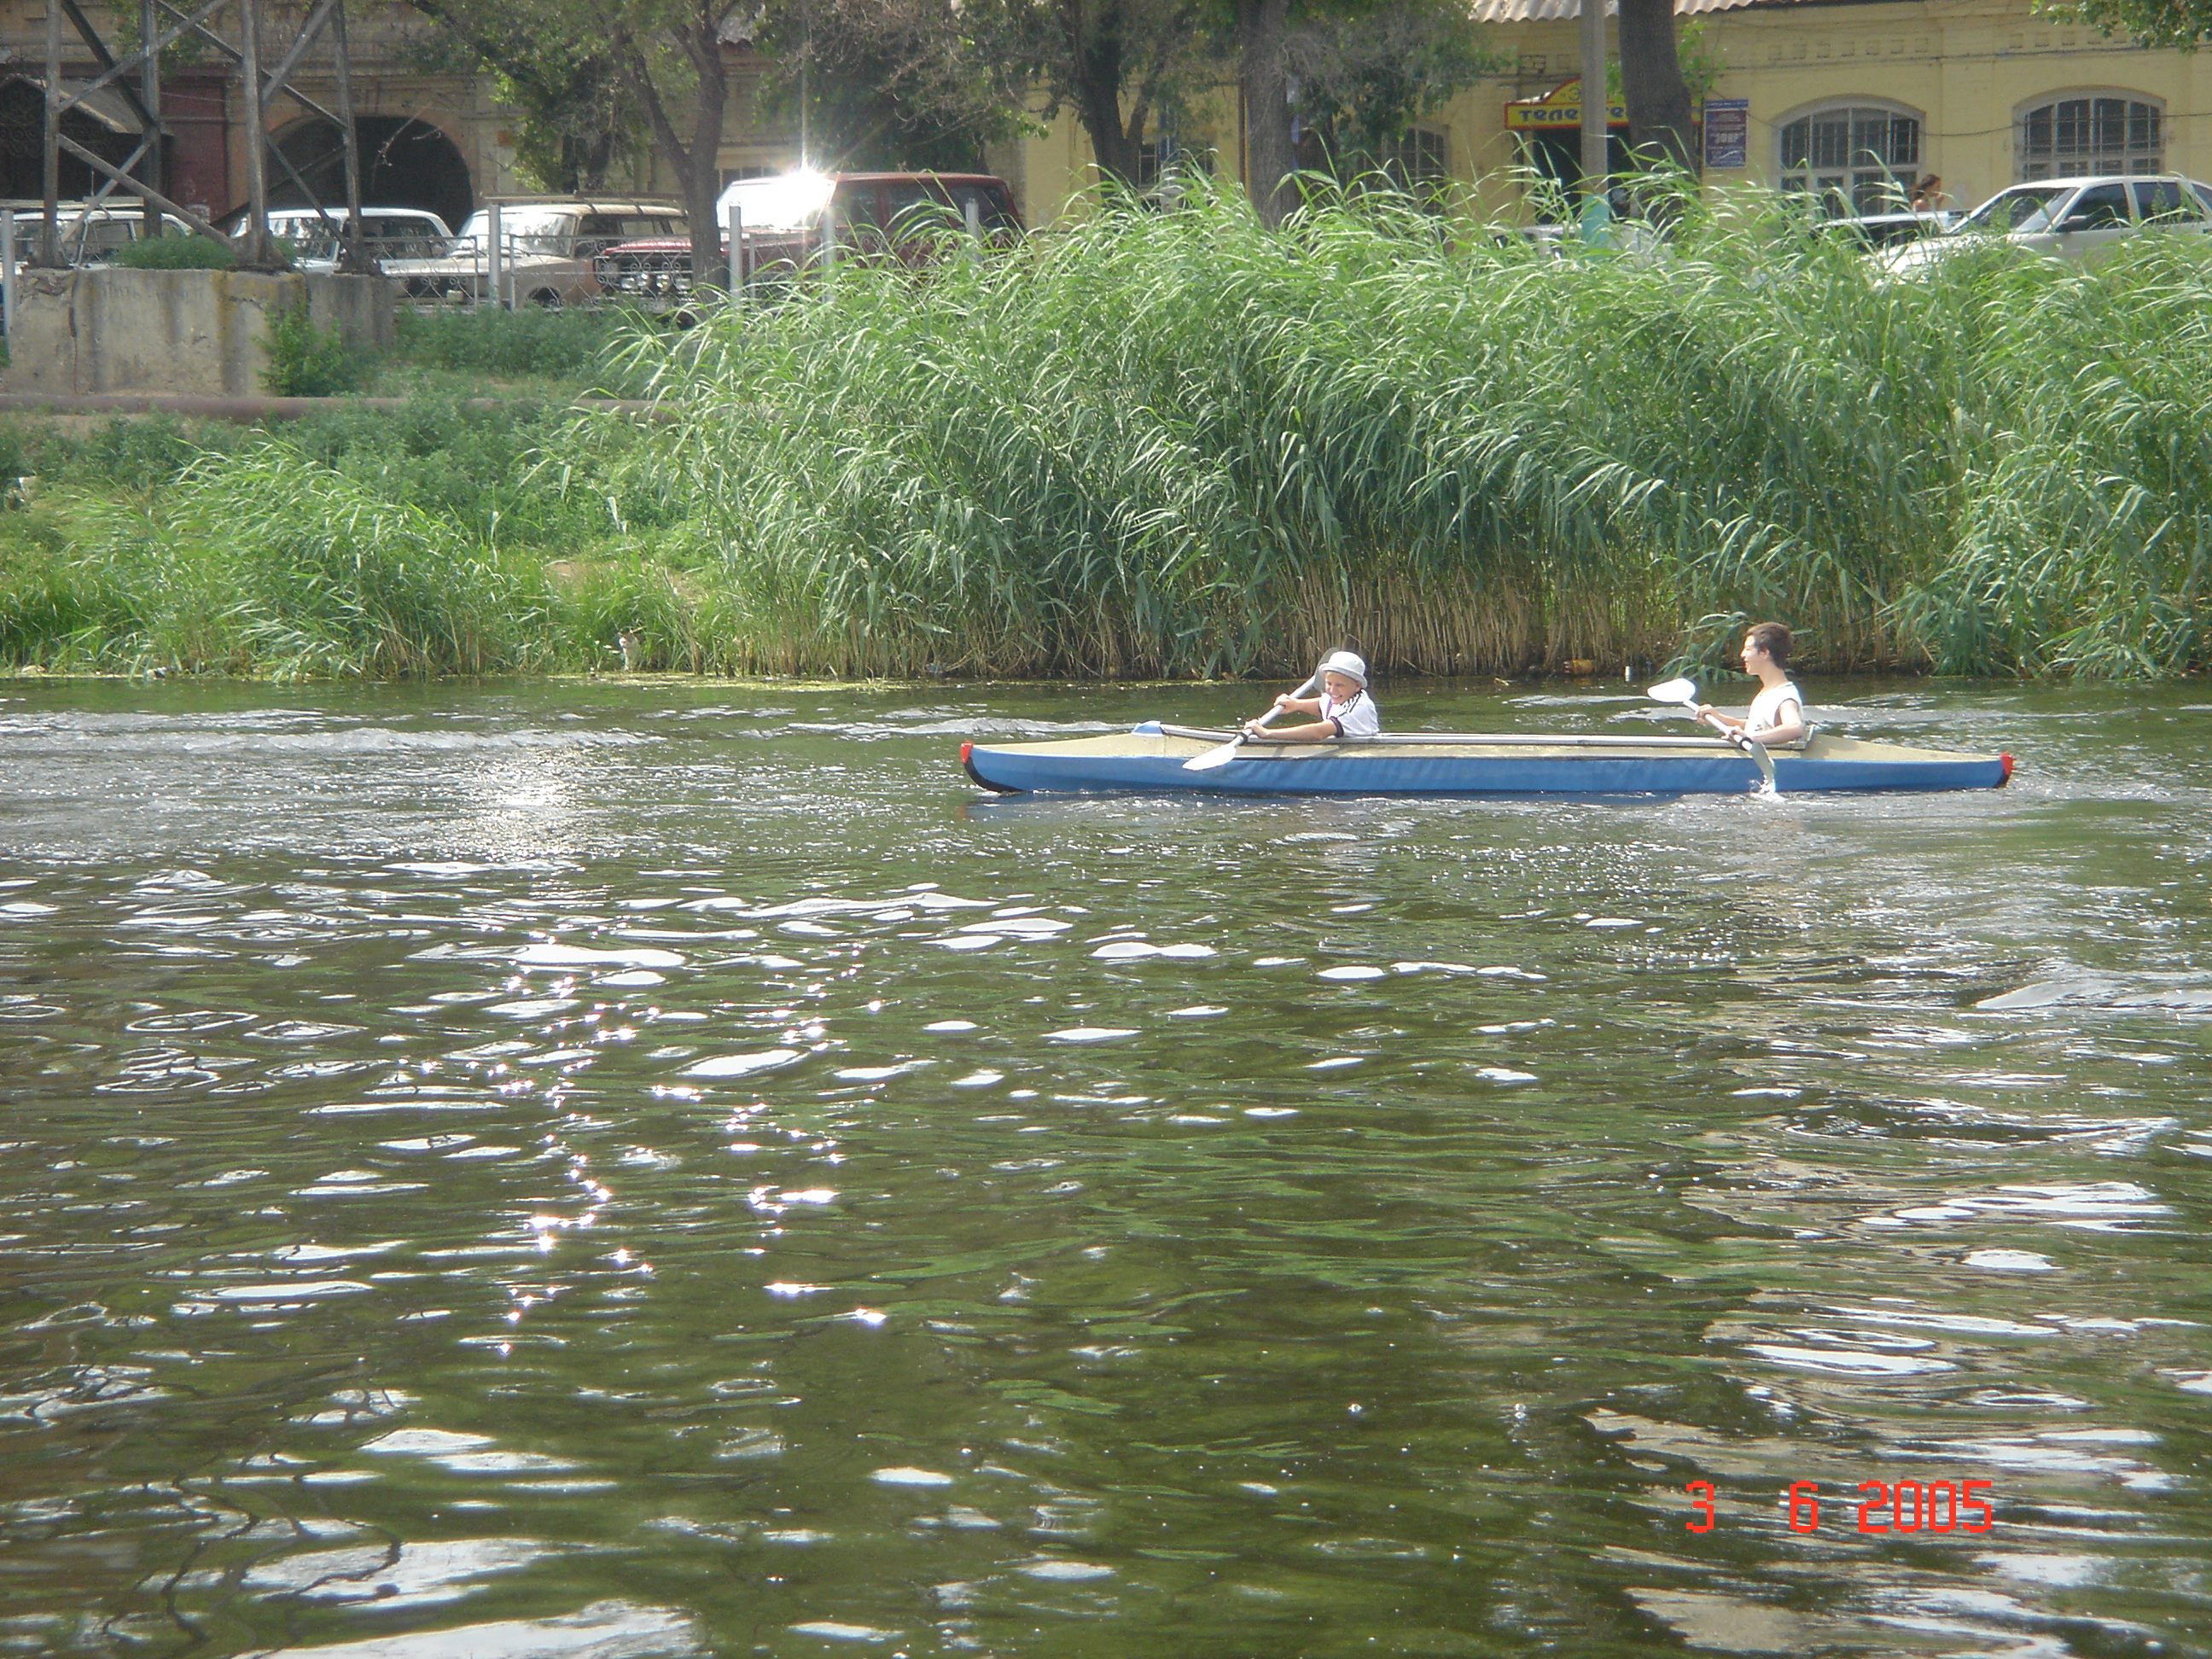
1357 718
1767 708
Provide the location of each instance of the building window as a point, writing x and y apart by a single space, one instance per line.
1417 161
1857 158
1168 154
2073 137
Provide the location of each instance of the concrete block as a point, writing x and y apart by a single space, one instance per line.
200 333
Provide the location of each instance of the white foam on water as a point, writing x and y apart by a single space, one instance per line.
832 1629
763 1060
604 1630
2010 1261
905 1475
571 956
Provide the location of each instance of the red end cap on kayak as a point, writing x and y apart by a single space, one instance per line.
2007 759
968 749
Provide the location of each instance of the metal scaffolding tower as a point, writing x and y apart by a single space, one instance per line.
136 76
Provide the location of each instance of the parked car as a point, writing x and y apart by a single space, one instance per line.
89 235
387 233
549 245
1881 230
2073 219
784 218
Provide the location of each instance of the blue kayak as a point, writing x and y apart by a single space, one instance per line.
1149 759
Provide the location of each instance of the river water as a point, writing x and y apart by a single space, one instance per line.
616 1170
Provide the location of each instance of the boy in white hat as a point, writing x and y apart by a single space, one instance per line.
1346 707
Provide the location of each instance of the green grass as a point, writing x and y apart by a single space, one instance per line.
1174 444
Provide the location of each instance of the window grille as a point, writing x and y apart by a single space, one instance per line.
1857 158
2074 137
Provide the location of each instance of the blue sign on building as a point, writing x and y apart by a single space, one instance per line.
1727 132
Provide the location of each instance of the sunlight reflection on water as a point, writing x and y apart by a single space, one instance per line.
590 1171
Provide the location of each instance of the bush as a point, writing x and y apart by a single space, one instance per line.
1181 443
306 361
175 253
571 345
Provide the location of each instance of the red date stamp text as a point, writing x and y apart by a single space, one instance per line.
1882 1506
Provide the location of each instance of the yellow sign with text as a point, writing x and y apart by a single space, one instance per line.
1562 107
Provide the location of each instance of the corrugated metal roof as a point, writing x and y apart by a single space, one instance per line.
1547 11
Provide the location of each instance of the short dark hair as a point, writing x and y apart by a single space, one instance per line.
1773 639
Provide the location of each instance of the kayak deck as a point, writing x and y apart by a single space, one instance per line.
1150 759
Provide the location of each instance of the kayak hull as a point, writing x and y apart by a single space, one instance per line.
1150 760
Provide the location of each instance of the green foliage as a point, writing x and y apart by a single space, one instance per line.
565 345
1365 78
1702 63
1179 444
175 253
306 361
266 562
2181 24
576 112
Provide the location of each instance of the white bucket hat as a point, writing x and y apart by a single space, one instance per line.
1344 663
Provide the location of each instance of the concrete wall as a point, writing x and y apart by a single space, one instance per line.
199 333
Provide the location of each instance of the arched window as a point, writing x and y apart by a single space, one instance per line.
2076 134
1857 158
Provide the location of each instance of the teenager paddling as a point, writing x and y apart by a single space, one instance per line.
1777 713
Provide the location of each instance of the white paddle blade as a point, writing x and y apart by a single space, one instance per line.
1213 757
1681 691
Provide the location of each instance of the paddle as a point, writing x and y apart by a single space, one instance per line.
1227 751
1684 694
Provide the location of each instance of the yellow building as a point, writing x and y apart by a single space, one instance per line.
1842 97
1848 96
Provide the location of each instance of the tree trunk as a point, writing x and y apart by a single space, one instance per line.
1100 69
697 164
1262 25
1651 84
703 177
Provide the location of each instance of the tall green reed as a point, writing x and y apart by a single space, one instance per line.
1176 443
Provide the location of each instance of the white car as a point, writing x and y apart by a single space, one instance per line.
2071 219
89 235
387 233
548 248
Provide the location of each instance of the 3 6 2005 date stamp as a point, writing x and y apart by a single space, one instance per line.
1882 1506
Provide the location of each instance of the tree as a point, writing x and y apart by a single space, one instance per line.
1121 66
1263 54
575 106
673 53
1651 83
2179 24
1365 79
902 84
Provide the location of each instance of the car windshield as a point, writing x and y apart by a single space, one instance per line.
388 235
2028 208
789 200
525 229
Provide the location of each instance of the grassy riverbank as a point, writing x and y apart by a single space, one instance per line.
1167 445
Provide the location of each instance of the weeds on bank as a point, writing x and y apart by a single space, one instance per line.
1176 443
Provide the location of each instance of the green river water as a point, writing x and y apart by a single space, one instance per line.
620 1171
